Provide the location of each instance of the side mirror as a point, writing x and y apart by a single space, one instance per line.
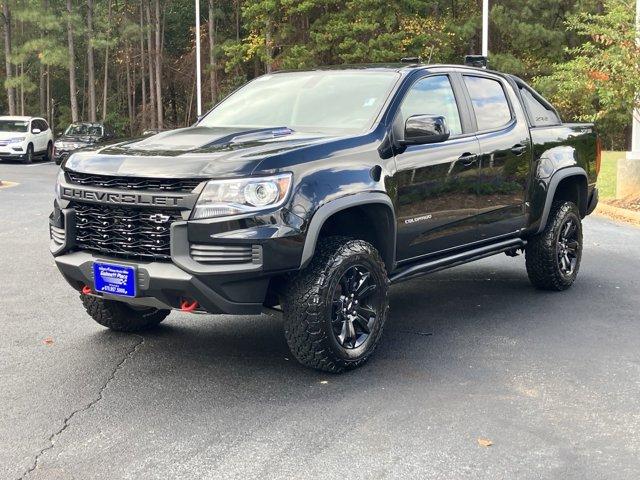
421 129
36 131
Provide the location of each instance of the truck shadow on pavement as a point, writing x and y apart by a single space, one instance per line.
471 314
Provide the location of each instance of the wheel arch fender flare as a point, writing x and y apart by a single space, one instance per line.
324 212
554 181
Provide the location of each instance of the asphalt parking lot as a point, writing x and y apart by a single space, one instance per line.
551 380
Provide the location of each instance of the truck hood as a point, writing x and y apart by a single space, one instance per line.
192 152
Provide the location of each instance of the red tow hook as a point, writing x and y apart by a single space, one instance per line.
185 306
86 290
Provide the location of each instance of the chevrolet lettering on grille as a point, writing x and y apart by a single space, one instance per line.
121 198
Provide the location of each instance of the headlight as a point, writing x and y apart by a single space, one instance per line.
16 140
224 198
59 180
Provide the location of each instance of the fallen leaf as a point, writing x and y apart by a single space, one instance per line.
484 442
48 341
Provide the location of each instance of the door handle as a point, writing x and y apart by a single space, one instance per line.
518 149
467 159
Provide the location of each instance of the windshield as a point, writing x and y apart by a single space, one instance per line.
82 129
14 126
319 101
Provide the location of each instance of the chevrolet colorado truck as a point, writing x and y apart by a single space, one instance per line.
311 192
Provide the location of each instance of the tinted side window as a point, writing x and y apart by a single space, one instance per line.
539 114
489 102
45 125
432 96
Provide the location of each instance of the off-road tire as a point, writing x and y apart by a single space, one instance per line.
120 317
543 266
307 305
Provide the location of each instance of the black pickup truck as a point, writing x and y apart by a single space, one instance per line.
311 192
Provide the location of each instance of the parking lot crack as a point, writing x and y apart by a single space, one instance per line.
67 421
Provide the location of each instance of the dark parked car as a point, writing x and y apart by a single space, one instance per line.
311 192
80 135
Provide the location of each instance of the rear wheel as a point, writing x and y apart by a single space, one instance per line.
28 156
553 257
121 317
335 309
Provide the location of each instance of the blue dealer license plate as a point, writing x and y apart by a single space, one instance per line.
114 279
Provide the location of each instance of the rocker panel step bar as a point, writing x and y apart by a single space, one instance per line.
434 265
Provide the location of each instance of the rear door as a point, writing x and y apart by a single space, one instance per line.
436 183
505 162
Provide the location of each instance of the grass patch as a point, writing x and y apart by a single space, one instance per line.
608 174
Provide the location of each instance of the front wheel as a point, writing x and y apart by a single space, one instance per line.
553 256
121 317
335 309
28 157
48 156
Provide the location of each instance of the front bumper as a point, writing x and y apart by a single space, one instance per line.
7 153
231 288
164 285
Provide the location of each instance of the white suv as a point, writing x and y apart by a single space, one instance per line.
24 138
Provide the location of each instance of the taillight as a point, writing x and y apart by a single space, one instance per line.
598 155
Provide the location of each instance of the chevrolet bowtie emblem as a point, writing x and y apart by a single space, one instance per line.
159 218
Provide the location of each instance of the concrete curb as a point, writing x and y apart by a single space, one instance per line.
617 213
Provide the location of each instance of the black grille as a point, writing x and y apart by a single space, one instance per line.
124 232
135 183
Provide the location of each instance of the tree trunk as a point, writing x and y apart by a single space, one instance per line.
142 72
152 85
11 100
237 5
267 45
159 66
43 92
49 119
129 99
212 54
105 83
22 88
44 78
72 67
91 81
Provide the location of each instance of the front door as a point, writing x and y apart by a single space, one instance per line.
436 183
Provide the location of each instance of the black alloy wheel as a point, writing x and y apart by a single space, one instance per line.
355 311
567 247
